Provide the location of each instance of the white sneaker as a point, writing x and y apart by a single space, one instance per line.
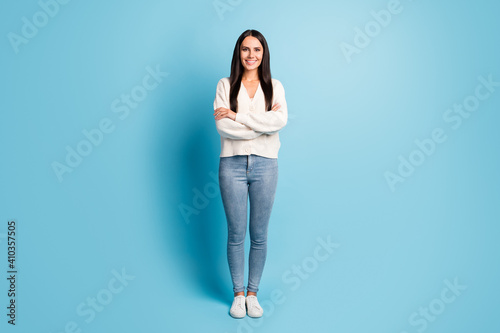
253 307
238 308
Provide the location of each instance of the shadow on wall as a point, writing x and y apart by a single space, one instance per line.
187 156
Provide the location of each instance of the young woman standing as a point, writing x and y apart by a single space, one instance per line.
249 109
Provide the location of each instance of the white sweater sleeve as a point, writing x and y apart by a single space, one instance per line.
226 127
269 122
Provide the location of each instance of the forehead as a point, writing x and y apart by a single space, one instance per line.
251 41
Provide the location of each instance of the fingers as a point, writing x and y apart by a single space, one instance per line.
217 113
276 107
219 116
221 109
220 113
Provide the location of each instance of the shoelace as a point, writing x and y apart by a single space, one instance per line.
240 302
254 303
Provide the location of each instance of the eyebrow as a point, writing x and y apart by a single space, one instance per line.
257 47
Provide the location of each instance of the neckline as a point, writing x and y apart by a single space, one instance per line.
256 91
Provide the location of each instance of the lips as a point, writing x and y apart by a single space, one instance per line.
250 62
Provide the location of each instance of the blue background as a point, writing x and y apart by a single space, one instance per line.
348 125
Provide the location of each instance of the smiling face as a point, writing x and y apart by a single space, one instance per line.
251 53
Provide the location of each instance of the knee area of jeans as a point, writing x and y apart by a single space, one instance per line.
258 242
237 235
236 242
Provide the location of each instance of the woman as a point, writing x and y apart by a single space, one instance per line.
250 109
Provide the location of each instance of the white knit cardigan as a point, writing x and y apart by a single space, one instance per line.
255 130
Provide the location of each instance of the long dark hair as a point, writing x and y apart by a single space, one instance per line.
237 71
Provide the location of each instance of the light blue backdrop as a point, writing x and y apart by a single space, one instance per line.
391 155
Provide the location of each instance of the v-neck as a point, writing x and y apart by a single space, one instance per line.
256 91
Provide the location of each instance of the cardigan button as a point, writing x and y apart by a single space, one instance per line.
252 108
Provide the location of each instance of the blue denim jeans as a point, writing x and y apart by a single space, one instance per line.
243 177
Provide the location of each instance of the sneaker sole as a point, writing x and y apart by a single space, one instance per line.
237 317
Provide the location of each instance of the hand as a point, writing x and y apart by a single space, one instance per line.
221 112
276 107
